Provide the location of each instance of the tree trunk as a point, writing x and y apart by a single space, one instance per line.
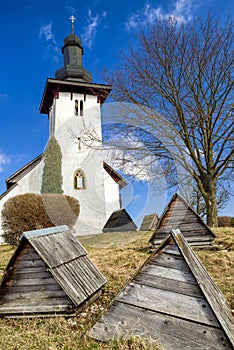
211 204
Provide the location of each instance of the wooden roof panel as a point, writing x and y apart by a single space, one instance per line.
58 248
49 272
119 220
178 214
165 301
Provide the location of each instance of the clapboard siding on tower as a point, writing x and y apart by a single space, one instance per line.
178 214
168 300
49 273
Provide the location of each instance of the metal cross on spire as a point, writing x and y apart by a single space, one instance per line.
72 19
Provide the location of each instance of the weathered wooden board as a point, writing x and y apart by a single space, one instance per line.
171 332
38 308
168 302
174 274
209 288
165 283
172 249
171 261
37 295
64 250
80 279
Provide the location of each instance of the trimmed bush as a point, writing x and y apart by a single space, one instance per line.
61 209
224 221
30 211
52 173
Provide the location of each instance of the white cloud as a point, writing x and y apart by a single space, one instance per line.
91 29
51 44
46 32
4 159
70 8
181 10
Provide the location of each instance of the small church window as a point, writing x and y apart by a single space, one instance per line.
79 180
76 107
81 108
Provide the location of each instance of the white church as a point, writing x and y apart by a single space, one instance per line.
73 105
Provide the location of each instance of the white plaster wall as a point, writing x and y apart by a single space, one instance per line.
85 154
30 183
111 195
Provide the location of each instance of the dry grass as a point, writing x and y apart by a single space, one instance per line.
220 262
118 261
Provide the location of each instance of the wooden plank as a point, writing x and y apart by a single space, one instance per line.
37 302
58 248
24 288
79 278
171 261
29 256
30 270
201 240
31 281
25 276
32 295
172 249
165 283
29 263
5 311
123 320
168 302
185 229
174 274
73 288
209 288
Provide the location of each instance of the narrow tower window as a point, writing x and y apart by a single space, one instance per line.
79 180
76 107
81 108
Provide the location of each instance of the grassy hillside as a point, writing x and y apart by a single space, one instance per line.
117 256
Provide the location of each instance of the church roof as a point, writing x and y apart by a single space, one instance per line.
171 299
54 86
12 180
115 176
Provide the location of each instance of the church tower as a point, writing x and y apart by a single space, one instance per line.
73 105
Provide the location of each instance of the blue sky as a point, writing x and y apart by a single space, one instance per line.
32 33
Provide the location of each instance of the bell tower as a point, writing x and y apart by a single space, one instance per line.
73 105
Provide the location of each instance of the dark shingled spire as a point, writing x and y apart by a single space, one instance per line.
72 56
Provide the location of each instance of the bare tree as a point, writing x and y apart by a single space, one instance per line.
186 74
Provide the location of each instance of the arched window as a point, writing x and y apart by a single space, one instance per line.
76 107
79 180
81 108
